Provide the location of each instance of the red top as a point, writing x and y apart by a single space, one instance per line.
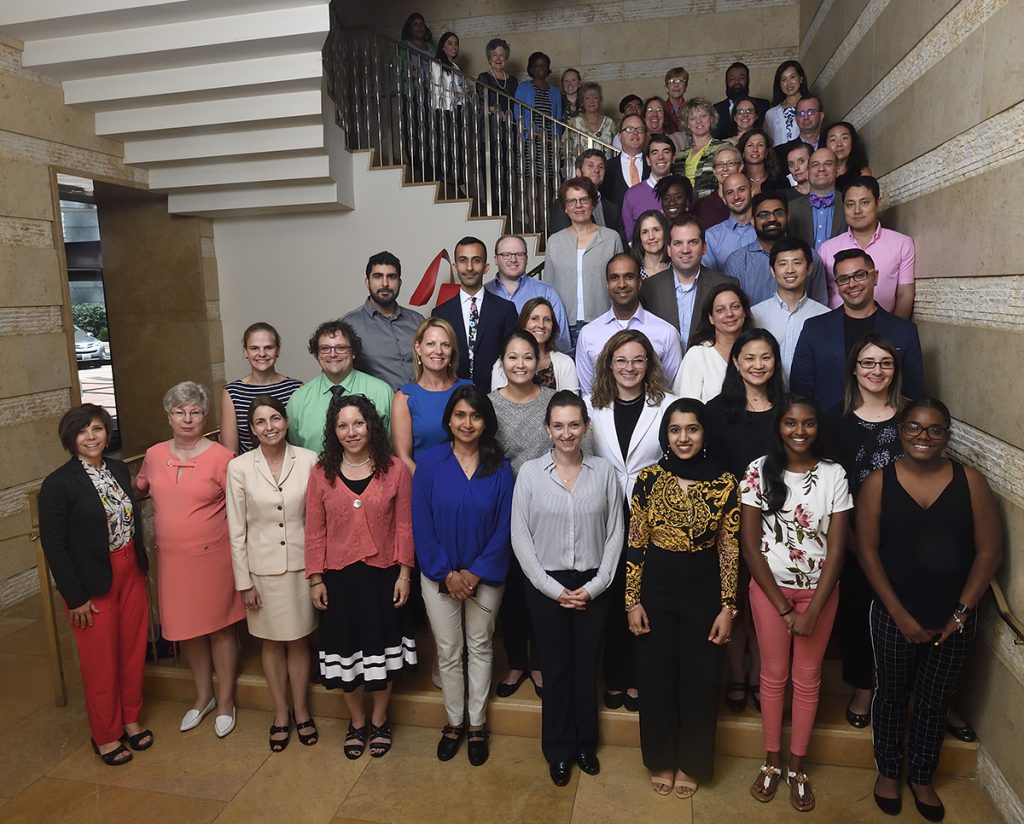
377 532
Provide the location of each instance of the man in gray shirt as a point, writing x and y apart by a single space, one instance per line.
385 328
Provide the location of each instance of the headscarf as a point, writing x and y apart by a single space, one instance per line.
698 468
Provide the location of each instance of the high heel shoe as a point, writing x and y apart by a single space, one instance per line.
112 758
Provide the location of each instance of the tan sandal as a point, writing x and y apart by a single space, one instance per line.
684 788
766 784
661 785
800 794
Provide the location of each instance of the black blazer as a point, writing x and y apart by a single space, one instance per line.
615 185
558 219
73 531
801 221
722 130
498 320
658 295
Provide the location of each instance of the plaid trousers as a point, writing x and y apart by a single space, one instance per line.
931 673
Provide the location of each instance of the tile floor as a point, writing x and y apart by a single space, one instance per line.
48 772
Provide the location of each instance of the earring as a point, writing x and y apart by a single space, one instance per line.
704 452
665 455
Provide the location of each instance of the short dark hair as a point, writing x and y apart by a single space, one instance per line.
588 153
629 98
538 55
738 65
336 327
790 244
584 183
622 256
814 97
79 417
525 337
663 185
470 240
685 219
703 331
260 326
661 138
798 144
761 197
566 397
865 181
926 403
383 259
852 254
266 400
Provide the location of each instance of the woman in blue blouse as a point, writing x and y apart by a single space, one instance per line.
461 517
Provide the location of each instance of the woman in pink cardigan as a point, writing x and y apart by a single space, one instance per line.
359 554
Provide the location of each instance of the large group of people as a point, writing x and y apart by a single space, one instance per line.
698 443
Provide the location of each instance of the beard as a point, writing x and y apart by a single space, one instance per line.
737 93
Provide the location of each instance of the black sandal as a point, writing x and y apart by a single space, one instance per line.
380 748
136 741
736 704
280 744
358 734
112 758
307 739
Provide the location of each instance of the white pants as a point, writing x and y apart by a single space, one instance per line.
449 618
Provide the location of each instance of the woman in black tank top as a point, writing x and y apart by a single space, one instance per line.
929 541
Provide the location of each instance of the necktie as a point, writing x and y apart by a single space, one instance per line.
822 201
634 175
474 323
338 391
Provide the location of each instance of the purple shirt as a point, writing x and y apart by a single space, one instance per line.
893 254
662 335
637 200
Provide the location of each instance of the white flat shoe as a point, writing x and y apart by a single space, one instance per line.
194 716
224 724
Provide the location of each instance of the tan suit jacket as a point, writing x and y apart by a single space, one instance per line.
267 518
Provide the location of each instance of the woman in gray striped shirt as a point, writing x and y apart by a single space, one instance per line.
567 536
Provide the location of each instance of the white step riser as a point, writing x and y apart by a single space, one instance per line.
232 173
292 137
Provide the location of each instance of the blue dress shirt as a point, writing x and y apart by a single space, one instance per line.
749 265
685 297
725 238
822 223
774 315
528 289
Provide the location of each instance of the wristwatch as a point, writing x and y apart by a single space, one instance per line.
962 608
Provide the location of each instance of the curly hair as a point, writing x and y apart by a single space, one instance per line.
491 453
333 452
335 327
655 387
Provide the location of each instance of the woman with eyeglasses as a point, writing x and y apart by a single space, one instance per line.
744 118
650 243
461 510
864 436
929 540
627 402
186 477
711 209
656 121
697 162
789 86
555 370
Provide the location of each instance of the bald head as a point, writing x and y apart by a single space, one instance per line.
736 194
822 171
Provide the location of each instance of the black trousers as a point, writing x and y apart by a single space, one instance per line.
855 596
679 667
619 643
931 673
515 621
569 642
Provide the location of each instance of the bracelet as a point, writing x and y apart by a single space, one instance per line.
784 614
315 584
960 625
400 578
632 607
449 575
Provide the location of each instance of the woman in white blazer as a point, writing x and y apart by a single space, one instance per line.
626 404
266 505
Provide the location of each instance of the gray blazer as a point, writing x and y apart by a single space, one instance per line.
801 222
560 270
658 295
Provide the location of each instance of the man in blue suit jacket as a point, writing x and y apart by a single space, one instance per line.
497 317
819 362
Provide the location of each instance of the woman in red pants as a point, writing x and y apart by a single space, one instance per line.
87 523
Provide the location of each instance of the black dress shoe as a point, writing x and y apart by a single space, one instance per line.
929 812
447 747
539 689
857 719
630 703
889 806
964 733
477 747
736 704
588 762
504 690
561 772
614 700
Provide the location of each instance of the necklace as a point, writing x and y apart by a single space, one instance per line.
501 85
764 403
356 465
632 402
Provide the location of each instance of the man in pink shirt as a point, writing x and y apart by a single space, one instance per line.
893 252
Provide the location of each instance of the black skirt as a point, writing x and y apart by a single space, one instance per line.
364 640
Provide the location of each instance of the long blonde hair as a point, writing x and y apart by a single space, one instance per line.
603 391
453 363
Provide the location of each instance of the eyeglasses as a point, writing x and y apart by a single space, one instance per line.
860 276
515 255
807 112
745 110
728 164
934 432
764 214
676 81
187 414
622 363
886 364
339 349
652 109
633 130
576 201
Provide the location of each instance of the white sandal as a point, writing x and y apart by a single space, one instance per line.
802 791
766 784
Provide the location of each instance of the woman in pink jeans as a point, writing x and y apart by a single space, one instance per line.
793 526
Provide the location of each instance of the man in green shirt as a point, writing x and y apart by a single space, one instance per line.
336 346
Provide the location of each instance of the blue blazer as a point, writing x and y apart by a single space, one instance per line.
819 362
498 320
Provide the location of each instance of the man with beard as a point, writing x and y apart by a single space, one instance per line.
735 231
749 264
385 328
737 87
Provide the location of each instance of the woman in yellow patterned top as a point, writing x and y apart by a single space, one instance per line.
681 598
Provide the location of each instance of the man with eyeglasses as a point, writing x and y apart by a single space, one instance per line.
819 362
893 252
512 284
737 229
385 328
622 277
737 87
631 166
592 165
809 117
336 347
818 215
751 265
641 197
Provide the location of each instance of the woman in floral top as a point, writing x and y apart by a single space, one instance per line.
794 522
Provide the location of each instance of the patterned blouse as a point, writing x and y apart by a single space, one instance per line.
116 504
706 516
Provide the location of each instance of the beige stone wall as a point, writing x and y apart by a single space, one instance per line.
934 87
625 45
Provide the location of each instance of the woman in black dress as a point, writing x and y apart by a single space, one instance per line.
739 429
929 541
